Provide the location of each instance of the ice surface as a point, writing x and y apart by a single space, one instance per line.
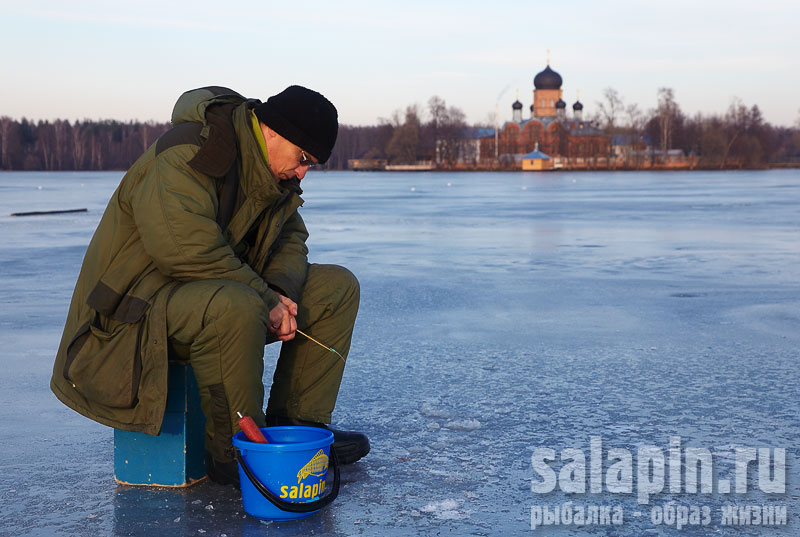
500 313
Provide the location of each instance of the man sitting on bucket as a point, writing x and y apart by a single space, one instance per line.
201 255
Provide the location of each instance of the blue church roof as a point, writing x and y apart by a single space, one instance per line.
536 155
630 139
472 133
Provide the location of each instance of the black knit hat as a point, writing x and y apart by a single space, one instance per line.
304 117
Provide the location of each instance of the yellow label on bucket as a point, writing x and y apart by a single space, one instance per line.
317 466
303 491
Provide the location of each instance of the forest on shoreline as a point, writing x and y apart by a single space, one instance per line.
738 138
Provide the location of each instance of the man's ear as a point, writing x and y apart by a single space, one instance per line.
268 133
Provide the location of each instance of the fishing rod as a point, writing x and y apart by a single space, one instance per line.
321 344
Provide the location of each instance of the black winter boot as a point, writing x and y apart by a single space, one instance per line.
350 446
222 473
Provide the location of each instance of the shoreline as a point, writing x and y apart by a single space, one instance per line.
769 166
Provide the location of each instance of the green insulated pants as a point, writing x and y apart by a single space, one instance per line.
220 326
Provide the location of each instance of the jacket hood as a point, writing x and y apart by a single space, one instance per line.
256 180
192 104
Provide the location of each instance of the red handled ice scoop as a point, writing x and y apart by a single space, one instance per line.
251 430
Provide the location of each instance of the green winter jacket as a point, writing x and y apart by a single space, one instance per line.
199 203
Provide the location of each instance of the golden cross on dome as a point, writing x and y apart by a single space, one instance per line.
548 56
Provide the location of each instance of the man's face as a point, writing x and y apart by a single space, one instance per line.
285 158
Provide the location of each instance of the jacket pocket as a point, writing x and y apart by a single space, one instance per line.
106 366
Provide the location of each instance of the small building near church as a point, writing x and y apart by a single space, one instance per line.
367 164
536 161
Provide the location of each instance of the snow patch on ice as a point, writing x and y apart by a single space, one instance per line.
445 509
430 411
463 425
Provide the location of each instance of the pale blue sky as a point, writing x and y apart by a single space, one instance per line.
130 60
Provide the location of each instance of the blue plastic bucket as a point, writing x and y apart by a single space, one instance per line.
286 478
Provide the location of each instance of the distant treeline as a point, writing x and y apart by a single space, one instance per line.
115 145
83 145
740 137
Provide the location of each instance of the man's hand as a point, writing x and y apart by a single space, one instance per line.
282 321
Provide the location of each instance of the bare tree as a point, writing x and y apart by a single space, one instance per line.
667 109
403 146
610 109
736 120
444 132
635 119
6 128
796 134
78 145
488 122
96 147
437 108
45 143
60 128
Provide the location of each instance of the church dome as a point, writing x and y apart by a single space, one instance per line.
561 105
517 105
547 79
577 106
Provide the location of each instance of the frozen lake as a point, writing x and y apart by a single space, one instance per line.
501 313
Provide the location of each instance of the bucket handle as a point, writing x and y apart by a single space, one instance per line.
293 507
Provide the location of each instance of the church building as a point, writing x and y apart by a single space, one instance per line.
570 140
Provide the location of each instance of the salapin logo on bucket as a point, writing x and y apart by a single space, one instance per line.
317 467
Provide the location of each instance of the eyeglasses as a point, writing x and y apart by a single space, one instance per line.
305 161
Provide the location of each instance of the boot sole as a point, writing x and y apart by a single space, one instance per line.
348 453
